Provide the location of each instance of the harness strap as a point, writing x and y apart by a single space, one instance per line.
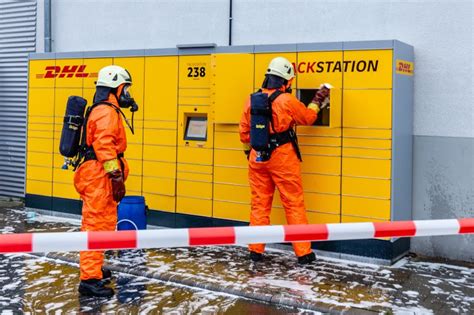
73 120
281 138
86 152
260 111
90 155
270 102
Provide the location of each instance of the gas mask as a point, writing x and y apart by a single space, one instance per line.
126 101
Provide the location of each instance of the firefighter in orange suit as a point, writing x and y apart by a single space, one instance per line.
100 179
279 165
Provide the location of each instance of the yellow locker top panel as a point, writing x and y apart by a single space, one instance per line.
367 109
368 69
42 73
162 105
316 68
232 82
194 71
69 73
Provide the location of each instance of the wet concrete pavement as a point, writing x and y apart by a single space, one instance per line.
39 285
215 280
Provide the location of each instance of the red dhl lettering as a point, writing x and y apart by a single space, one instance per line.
336 66
404 67
74 71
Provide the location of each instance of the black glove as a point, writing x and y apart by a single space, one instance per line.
247 148
320 96
118 187
247 153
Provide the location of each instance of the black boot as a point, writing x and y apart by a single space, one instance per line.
255 257
106 273
307 259
94 287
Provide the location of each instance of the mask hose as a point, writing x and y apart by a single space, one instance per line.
131 127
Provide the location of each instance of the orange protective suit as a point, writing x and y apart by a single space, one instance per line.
106 133
282 170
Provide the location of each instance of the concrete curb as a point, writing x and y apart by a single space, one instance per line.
277 300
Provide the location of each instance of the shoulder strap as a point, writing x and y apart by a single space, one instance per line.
271 99
83 143
118 110
274 96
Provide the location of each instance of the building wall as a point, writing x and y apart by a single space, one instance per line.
119 24
17 40
443 178
441 32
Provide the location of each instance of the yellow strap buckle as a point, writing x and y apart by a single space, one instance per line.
110 166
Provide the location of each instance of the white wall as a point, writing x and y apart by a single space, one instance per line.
80 25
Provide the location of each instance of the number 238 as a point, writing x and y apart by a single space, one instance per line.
194 72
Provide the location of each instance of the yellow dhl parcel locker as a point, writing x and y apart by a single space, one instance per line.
58 76
356 160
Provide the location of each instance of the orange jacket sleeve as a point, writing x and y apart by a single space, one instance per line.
244 126
102 132
301 114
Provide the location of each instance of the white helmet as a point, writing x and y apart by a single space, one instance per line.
282 68
113 76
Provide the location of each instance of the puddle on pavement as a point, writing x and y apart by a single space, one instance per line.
37 285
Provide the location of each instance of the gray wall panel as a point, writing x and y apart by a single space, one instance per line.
443 189
161 52
402 136
367 45
235 49
319 46
17 39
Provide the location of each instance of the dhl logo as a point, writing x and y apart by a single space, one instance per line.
76 71
404 67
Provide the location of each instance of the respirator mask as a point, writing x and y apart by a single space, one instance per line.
126 101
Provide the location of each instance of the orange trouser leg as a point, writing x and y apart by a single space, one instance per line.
262 188
99 213
286 173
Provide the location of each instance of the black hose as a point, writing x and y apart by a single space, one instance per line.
230 23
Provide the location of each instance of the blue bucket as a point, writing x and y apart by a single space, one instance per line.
132 213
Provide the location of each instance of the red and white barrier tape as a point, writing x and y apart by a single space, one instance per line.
84 241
